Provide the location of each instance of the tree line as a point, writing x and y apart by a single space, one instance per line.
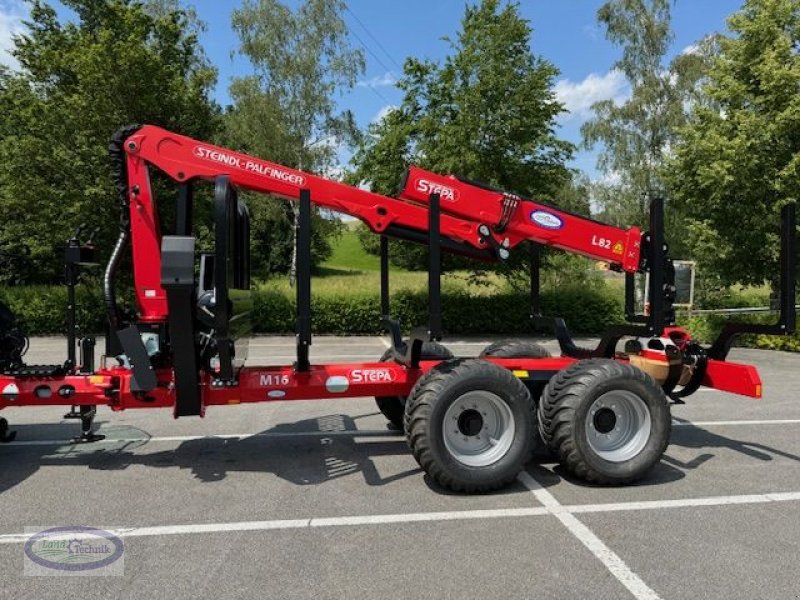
715 130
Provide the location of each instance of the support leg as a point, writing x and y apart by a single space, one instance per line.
73 413
86 345
87 413
303 241
384 277
434 270
6 435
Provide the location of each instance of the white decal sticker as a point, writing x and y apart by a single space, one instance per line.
431 187
283 175
337 384
11 391
545 219
274 380
372 375
276 394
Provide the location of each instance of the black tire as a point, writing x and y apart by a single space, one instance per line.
393 407
426 415
563 420
521 349
515 349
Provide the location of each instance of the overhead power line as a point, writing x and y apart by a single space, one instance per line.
374 39
369 50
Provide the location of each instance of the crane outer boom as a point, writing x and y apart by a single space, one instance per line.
529 220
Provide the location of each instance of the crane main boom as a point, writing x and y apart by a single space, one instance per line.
476 221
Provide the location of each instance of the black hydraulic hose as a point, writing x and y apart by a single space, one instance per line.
116 151
109 290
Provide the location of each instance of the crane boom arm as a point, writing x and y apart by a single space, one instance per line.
474 220
519 219
184 159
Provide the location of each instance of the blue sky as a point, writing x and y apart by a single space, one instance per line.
565 32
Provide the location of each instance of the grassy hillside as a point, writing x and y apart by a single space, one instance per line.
348 255
351 271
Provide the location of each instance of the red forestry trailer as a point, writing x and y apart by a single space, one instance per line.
471 423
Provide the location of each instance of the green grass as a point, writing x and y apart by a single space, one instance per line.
350 270
348 255
339 282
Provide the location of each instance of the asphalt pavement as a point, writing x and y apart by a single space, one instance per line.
318 499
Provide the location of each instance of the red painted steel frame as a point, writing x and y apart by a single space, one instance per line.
256 384
111 387
734 378
530 221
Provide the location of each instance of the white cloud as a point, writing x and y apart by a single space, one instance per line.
578 96
10 24
383 113
592 31
610 179
691 49
386 80
336 173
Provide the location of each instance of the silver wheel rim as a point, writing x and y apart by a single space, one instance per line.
618 426
478 428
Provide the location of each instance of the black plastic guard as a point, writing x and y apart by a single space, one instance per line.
144 378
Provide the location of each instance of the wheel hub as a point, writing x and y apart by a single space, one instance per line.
617 425
470 422
478 428
604 420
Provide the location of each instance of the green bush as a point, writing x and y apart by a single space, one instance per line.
705 328
41 309
585 311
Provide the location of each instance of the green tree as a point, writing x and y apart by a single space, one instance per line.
738 159
117 63
286 111
636 135
487 112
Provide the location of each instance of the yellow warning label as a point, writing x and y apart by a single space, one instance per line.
618 248
520 374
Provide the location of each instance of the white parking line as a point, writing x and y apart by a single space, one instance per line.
351 432
615 565
683 503
287 358
550 507
734 423
222 436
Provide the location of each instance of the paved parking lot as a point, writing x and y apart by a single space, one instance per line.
320 500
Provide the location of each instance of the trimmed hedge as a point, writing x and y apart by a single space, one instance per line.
705 328
585 311
40 309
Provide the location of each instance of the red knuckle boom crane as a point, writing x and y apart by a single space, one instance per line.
471 423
